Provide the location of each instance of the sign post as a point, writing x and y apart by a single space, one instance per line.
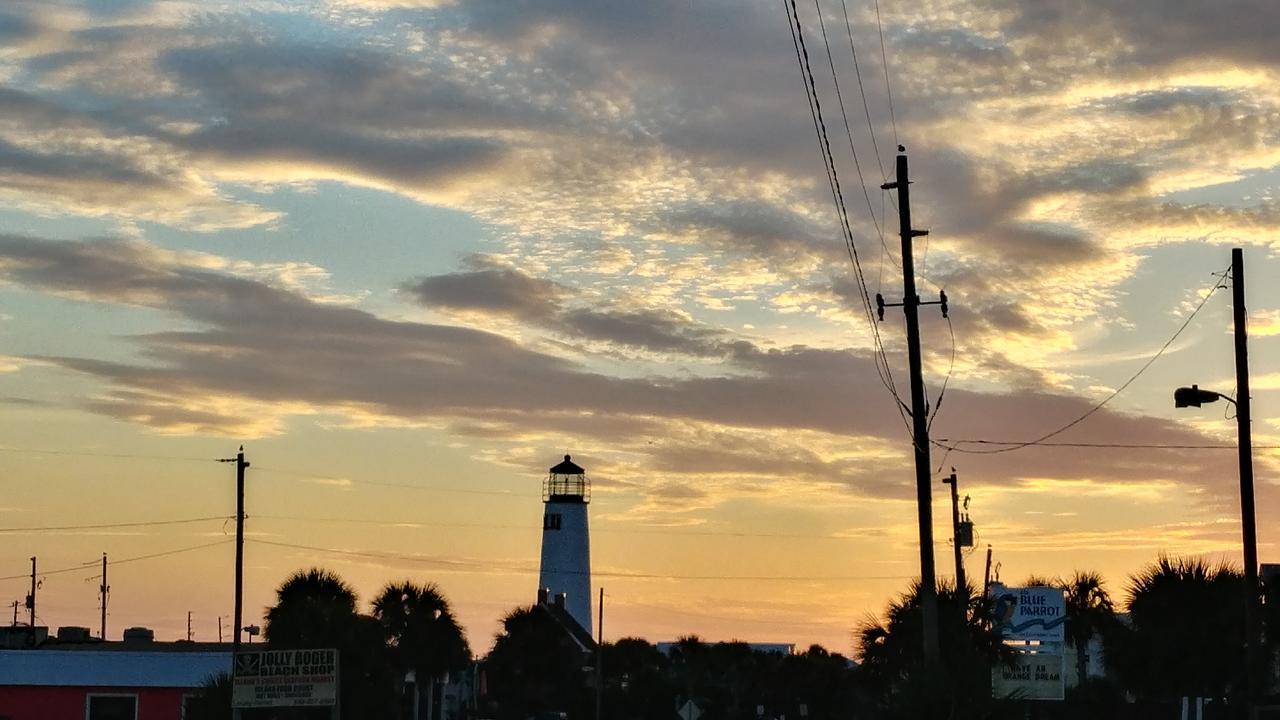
1024 616
285 678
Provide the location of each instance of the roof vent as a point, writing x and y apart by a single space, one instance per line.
139 635
73 634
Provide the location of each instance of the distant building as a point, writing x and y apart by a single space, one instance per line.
94 680
565 567
778 648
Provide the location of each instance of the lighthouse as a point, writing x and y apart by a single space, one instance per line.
566 541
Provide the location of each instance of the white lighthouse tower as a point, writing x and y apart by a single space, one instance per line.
566 541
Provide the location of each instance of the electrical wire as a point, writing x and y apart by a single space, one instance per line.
942 392
1125 446
815 109
337 480
489 567
533 528
853 150
85 453
103 526
85 567
1010 447
888 89
866 108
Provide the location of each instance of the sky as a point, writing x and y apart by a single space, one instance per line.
411 252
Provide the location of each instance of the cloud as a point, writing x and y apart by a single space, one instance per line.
504 291
54 159
546 304
261 354
1265 323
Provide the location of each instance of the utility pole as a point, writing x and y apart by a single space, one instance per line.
986 575
961 584
188 626
103 589
1253 640
919 411
16 603
219 628
600 660
31 600
240 467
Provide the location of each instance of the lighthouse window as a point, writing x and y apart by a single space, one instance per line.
551 521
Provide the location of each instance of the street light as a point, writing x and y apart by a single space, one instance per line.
1195 397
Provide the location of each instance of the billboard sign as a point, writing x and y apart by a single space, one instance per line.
1031 613
1034 676
285 678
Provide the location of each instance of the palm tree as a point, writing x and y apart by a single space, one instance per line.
1089 612
422 632
893 672
316 609
1186 633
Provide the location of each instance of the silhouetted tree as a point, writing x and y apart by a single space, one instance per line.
638 681
423 635
1185 634
893 672
316 609
1089 612
535 666
212 701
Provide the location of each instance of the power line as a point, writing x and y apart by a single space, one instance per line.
857 165
138 558
833 180
862 91
1018 446
87 453
1125 446
942 393
103 526
728 618
884 60
486 567
338 480
415 524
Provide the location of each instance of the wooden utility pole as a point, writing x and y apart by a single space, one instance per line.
961 584
986 575
240 468
31 600
1253 639
919 408
103 589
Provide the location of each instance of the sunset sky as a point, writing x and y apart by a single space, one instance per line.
412 252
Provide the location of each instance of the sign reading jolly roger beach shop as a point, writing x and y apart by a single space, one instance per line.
1031 613
285 678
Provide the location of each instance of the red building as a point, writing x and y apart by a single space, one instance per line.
106 680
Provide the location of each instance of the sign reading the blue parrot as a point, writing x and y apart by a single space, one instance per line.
1031 613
